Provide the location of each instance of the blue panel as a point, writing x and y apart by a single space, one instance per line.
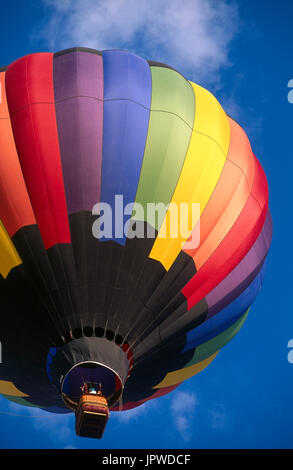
50 356
127 100
226 317
236 292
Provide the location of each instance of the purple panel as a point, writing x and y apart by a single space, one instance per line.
78 88
240 278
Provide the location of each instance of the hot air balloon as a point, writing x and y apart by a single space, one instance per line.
120 301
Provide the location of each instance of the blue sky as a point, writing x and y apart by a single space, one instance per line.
241 52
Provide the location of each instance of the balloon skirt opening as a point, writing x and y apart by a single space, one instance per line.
97 373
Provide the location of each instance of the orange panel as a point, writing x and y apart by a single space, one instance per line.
229 196
15 209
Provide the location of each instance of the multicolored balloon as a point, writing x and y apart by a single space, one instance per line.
138 314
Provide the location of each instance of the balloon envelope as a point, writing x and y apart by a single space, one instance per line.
134 228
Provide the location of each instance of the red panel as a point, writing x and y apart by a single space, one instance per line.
30 97
117 384
159 393
127 406
235 245
125 348
162 391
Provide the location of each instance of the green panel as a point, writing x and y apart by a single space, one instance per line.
170 128
208 348
19 401
172 93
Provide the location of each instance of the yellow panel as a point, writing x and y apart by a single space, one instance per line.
9 257
201 171
8 388
179 376
210 118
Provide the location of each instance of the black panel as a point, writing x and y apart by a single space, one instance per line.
88 288
92 349
26 333
152 371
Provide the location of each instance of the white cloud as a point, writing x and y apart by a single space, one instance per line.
218 417
59 427
191 35
183 409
